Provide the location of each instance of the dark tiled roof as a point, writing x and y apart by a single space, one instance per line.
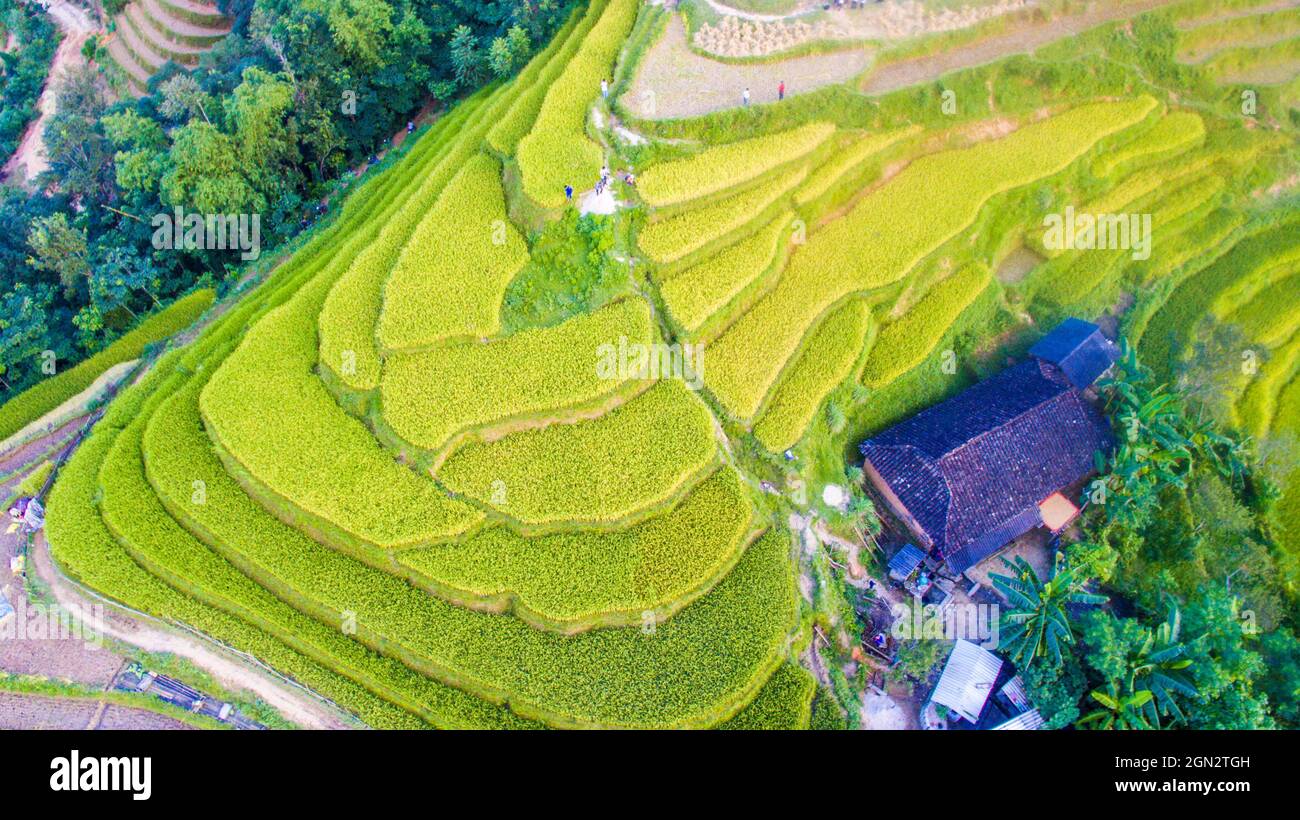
973 469
1079 349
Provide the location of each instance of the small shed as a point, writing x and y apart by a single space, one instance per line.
905 562
1030 720
967 680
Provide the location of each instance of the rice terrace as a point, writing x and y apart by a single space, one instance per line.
683 364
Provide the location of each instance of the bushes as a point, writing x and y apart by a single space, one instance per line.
1174 134
454 269
826 360
557 151
905 343
701 291
601 471
725 166
41 398
573 580
678 236
888 232
431 398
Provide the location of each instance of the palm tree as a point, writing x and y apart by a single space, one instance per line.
1039 622
1119 709
1162 667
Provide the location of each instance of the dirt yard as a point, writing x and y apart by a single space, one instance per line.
673 82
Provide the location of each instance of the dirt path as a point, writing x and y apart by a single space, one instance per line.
77 27
673 82
234 675
893 76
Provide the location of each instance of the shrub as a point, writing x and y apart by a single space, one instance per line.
726 166
454 270
39 399
433 397
606 470
828 358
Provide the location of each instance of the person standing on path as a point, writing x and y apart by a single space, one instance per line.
780 91
744 98
604 88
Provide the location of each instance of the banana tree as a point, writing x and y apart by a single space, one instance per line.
1163 667
1039 622
1119 709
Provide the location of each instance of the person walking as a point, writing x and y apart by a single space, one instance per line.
604 88
744 98
780 91
568 192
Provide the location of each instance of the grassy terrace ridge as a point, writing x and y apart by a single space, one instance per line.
39 399
557 151
575 580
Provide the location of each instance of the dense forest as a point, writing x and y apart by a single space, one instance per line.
272 122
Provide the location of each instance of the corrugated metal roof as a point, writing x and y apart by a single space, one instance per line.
905 561
1025 720
967 680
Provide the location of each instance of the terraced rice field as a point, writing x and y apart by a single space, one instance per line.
368 478
148 34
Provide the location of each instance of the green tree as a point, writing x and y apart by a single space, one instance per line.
1039 623
60 248
1117 709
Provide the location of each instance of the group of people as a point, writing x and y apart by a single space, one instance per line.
780 93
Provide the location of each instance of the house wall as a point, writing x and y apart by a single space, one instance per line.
896 505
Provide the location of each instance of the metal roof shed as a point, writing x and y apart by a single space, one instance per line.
967 680
905 562
1025 721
